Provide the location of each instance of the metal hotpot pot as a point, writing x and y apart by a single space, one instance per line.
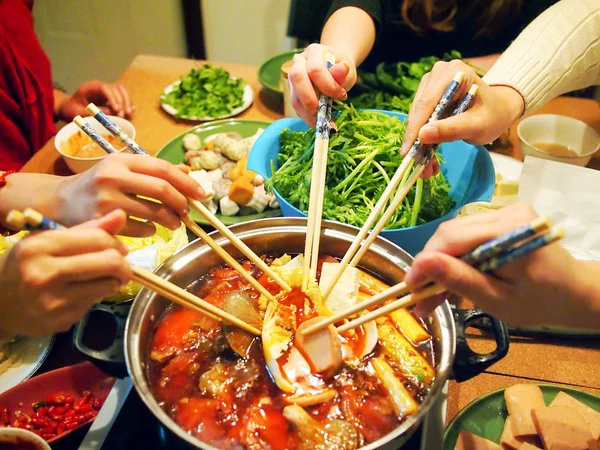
453 357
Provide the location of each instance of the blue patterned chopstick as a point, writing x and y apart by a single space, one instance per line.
415 151
37 221
94 135
114 129
324 111
527 248
503 243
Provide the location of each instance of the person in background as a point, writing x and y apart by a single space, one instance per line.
371 31
558 52
29 104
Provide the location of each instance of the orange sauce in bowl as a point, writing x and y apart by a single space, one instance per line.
80 145
555 149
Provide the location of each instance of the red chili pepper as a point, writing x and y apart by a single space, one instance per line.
69 400
40 422
98 402
85 408
60 429
48 436
40 412
50 409
57 398
56 417
90 415
48 430
69 414
79 418
71 424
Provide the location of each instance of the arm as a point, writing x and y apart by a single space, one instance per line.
349 35
557 53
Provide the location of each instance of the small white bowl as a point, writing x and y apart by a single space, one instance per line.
77 164
19 436
556 129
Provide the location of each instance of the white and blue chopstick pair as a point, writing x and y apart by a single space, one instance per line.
198 206
487 257
418 153
33 220
317 185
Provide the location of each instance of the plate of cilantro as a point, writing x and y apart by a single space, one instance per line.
206 93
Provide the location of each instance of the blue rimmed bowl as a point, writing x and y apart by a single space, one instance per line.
468 169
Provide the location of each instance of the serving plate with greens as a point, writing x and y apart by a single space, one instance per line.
207 93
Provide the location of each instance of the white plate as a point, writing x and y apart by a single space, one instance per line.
509 168
33 351
247 100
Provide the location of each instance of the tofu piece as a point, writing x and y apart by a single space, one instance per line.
202 178
296 263
470 441
520 400
345 292
228 206
591 416
510 441
528 446
562 428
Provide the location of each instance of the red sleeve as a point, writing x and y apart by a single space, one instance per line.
26 92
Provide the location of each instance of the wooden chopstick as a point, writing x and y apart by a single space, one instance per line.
480 255
359 242
36 220
317 185
198 206
492 264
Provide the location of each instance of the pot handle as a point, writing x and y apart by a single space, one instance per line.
110 358
467 363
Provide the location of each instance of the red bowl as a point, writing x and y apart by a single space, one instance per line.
70 380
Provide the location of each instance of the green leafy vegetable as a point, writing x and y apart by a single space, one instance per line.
362 159
206 92
393 86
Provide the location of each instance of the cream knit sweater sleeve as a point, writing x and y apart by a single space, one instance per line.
557 53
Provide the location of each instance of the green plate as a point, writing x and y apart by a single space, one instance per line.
174 152
485 416
269 72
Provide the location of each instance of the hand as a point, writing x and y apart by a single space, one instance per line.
117 182
493 110
309 73
49 280
547 287
111 98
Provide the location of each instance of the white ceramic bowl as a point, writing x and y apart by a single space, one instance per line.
77 164
18 436
556 129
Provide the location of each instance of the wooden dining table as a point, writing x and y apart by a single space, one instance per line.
572 361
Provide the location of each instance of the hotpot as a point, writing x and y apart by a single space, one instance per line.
276 236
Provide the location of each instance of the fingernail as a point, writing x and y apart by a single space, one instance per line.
415 278
201 193
333 129
184 212
345 95
346 64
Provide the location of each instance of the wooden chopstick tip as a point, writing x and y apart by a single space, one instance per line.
473 90
92 109
16 219
78 120
458 77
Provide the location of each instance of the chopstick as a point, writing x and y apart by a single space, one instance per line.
476 257
317 185
493 263
36 221
359 245
198 206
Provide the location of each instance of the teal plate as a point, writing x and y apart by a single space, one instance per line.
485 416
174 152
269 72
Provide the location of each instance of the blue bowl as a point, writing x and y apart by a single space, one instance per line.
468 169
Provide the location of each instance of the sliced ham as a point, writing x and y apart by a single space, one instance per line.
510 441
562 428
591 416
470 441
520 400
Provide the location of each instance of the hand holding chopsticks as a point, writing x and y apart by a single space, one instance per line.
317 186
419 154
486 257
198 206
33 220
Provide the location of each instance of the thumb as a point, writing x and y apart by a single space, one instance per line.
112 223
339 72
454 128
455 275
